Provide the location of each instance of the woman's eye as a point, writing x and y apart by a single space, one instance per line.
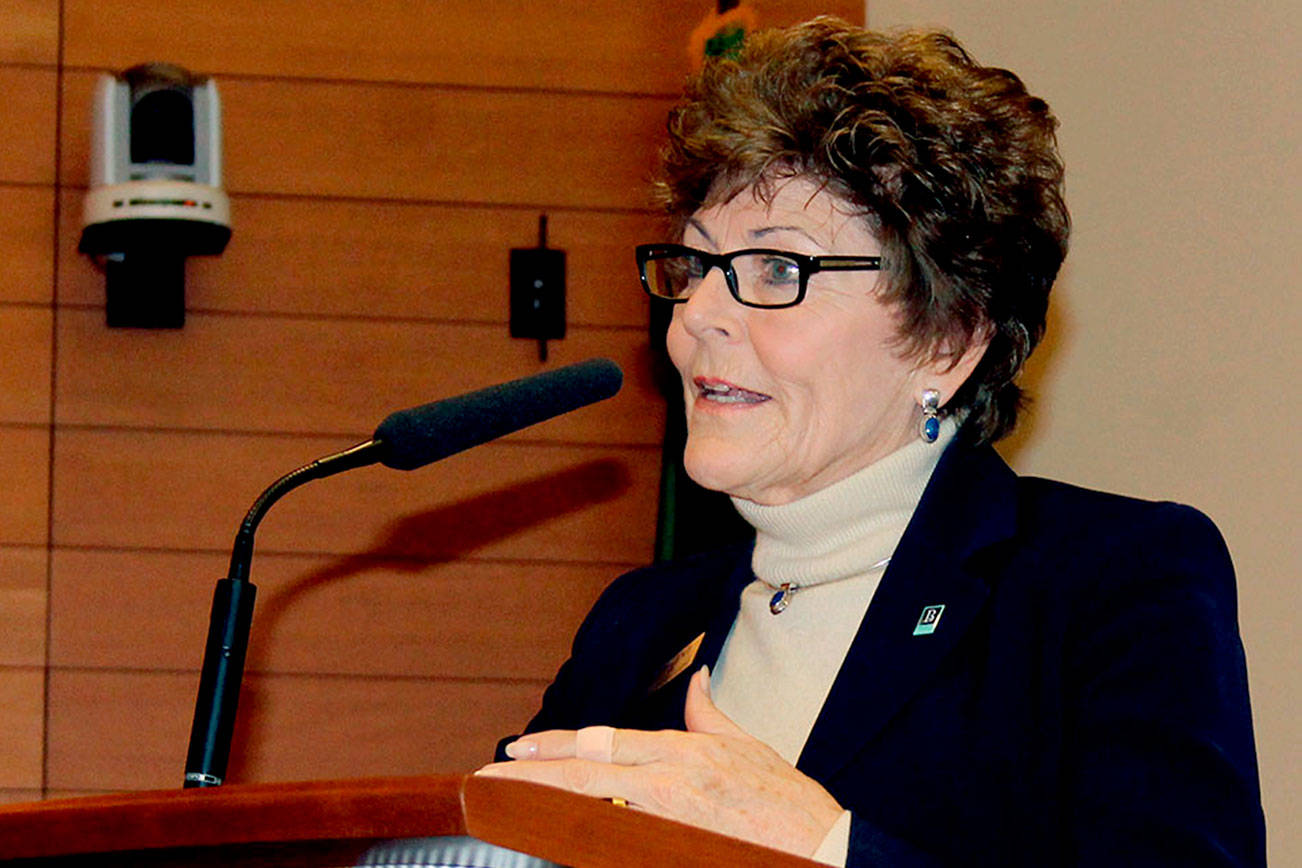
777 270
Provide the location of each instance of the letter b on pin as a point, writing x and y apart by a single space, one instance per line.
928 620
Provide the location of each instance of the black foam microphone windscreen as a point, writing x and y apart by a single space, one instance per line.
413 438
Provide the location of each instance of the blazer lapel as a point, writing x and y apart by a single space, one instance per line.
969 505
711 617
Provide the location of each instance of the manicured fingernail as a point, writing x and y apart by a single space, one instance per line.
705 679
522 749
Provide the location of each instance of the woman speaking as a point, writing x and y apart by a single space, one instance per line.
922 659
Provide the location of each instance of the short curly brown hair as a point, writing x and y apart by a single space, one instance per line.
954 165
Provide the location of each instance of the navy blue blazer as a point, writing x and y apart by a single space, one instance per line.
1082 700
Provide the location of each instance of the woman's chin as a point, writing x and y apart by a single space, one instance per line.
720 468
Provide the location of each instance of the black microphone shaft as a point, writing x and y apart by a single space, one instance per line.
219 683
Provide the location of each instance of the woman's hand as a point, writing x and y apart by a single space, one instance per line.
714 775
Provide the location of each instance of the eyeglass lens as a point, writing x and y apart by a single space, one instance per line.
762 278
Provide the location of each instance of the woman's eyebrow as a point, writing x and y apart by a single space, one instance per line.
769 230
696 224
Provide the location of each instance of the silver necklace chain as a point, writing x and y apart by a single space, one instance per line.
784 592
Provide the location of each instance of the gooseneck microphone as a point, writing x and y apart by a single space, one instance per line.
406 440
416 437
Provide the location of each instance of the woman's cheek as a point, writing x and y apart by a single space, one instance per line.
679 344
791 348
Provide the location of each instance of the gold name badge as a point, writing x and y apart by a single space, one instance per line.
676 665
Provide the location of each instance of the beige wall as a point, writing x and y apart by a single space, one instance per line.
1172 365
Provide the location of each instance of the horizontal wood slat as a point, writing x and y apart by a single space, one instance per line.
380 141
29 31
24 485
189 491
600 45
25 351
288 727
18 796
596 45
21 731
26 229
27 105
430 261
51 793
463 619
294 375
22 606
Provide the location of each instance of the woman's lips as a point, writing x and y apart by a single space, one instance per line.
714 391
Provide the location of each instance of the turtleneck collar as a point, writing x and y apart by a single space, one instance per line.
848 527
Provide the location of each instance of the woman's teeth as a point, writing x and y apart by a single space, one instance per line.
724 394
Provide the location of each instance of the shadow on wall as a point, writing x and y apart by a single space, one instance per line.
415 542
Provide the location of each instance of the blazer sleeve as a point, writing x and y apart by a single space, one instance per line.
570 701
870 847
1159 762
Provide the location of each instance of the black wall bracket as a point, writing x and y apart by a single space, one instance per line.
538 292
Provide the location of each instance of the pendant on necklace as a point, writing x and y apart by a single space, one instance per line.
780 600
782 596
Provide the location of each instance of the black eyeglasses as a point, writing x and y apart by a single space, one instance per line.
756 277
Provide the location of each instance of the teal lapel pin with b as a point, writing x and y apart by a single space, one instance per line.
928 620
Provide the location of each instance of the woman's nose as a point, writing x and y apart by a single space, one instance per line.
710 309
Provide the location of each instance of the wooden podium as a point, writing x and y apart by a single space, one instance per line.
335 823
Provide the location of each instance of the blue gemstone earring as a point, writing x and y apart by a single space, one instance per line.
929 429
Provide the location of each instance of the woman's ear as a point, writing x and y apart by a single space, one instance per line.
946 372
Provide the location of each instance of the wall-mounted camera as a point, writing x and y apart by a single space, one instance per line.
155 193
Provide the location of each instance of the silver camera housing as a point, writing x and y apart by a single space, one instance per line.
155 193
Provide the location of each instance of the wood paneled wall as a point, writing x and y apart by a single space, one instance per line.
381 160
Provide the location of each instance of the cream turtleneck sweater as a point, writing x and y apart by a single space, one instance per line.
774 672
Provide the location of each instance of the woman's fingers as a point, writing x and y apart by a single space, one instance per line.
661 790
724 788
715 776
589 778
700 712
631 746
604 744
596 743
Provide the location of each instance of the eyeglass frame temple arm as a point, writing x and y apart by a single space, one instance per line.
846 263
